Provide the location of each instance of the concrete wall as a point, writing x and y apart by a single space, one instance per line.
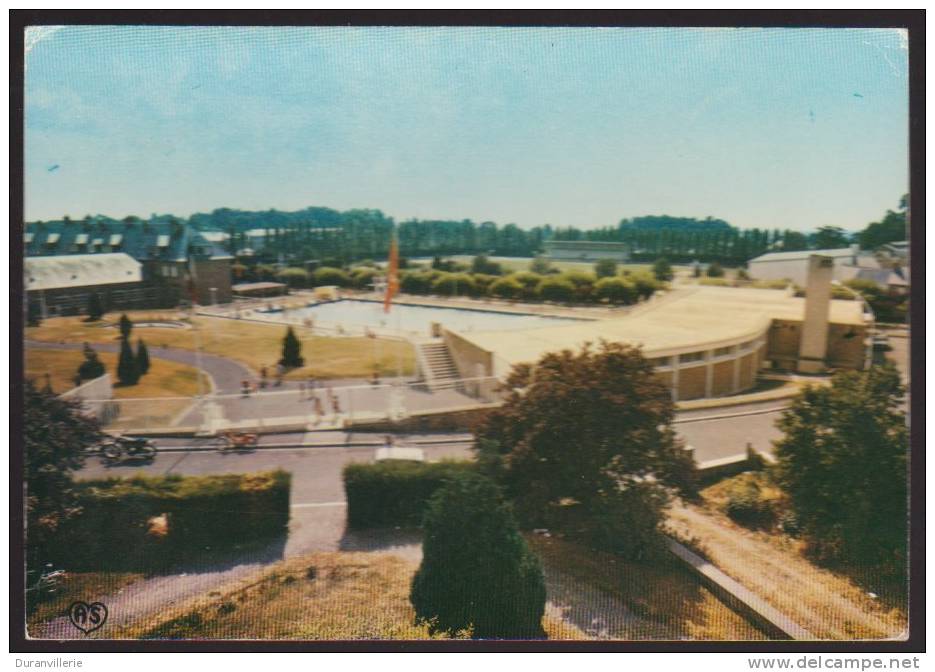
96 398
692 382
846 346
213 273
722 381
468 358
783 343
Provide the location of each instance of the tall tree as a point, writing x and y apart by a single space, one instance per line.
830 238
128 372
291 351
56 435
126 326
591 427
843 462
662 269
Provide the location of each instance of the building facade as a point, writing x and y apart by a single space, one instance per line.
586 250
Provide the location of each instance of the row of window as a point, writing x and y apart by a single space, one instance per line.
688 357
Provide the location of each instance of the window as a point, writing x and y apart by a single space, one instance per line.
661 361
691 357
721 352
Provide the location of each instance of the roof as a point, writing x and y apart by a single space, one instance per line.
587 243
884 276
837 253
685 320
80 270
156 239
256 286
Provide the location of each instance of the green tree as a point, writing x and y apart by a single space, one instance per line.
555 289
142 357
662 269
616 290
330 276
540 265
584 435
56 435
482 264
715 270
91 367
842 461
128 373
95 309
830 237
477 572
891 228
126 326
291 351
295 277
454 284
605 268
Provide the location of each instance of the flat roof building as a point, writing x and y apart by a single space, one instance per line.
586 250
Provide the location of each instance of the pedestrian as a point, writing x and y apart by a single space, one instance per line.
245 388
301 390
336 405
312 383
319 411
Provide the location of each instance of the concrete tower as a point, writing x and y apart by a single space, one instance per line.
813 348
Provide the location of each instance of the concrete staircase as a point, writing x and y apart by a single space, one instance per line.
438 368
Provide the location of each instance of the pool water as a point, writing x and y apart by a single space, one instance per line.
355 313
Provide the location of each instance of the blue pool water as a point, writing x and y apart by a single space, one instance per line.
355 313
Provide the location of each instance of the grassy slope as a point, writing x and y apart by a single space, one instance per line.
831 604
77 586
164 379
251 343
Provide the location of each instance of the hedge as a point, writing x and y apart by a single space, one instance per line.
394 493
205 514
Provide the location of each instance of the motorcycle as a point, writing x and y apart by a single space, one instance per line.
121 447
229 441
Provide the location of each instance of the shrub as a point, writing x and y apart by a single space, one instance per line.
481 264
555 289
295 277
126 326
454 284
605 268
203 513
477 573
616 290
746 505
715 270
361 278
507 288
416 282
662 270
394 493
482 283
530 282
91 367
646 285
330 276
714 282
582 282
540 265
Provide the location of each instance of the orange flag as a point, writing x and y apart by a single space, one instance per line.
392 276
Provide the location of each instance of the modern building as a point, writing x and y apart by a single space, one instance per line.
63 285
793 266
704 341
586 250
174 257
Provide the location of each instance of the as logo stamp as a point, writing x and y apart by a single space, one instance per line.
87 617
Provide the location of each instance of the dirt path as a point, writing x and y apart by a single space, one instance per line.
827 604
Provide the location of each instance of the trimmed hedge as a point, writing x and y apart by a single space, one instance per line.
205 514
395 493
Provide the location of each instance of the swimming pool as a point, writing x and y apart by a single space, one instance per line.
356 314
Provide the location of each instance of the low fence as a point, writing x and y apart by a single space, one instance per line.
297 407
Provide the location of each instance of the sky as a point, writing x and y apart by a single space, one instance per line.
776 128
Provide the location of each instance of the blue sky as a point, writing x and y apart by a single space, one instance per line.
788 128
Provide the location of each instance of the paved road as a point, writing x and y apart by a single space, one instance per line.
226 373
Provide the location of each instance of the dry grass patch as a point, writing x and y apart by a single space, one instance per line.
633 601
251 343
76 586
164 379
827 603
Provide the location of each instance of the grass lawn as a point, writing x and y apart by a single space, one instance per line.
322 596
164 379
251 343
76 586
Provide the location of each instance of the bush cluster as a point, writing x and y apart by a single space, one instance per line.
747 506
394 493
204 513
569 286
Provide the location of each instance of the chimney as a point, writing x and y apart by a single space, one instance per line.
813 347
